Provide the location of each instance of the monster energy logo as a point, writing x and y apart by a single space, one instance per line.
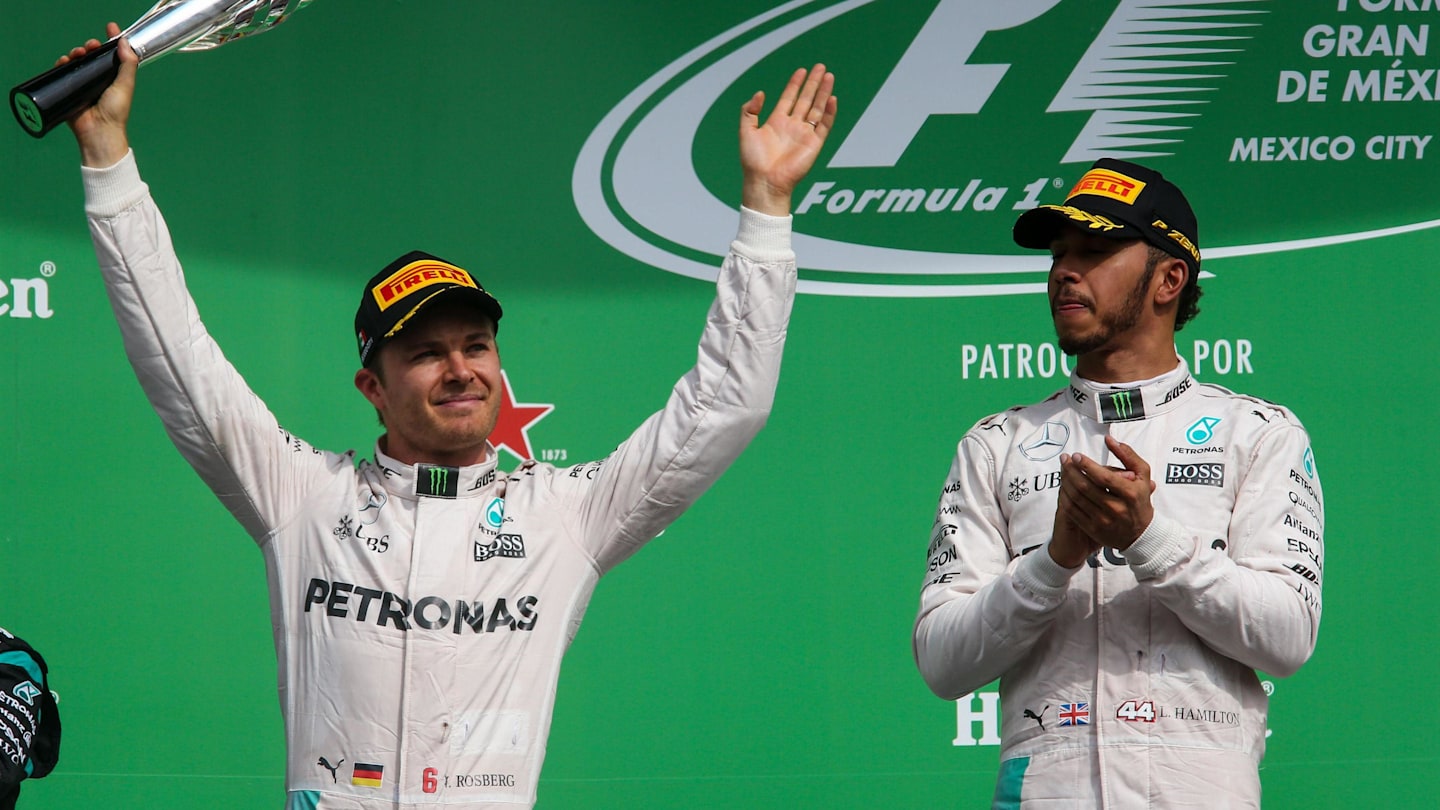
1122 406
1119 403
436 482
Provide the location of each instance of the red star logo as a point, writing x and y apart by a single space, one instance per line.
512 429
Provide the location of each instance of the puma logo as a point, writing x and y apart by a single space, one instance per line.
1038 718
333 769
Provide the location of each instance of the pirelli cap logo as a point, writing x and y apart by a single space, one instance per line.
1107 183
418 275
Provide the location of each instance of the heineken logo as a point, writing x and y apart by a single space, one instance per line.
959 114
28 297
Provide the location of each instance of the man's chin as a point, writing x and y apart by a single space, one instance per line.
464 435
1076 345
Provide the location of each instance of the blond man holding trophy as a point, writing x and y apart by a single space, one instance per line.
422 601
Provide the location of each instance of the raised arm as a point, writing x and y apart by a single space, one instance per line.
719 405
221 428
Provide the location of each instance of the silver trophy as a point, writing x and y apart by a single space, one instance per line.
62 92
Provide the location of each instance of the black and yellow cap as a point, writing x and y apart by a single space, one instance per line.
406 285
1120 200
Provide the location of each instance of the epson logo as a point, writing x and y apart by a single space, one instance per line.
1209 474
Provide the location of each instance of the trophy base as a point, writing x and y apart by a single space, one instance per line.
64 91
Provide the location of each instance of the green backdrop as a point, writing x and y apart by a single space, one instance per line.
758 654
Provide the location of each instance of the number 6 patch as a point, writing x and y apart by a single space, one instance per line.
1136 711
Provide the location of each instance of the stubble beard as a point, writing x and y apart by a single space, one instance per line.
1113 323
435 437
469 433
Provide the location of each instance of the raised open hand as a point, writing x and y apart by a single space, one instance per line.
777 155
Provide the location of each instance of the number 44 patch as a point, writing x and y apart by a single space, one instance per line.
1136 711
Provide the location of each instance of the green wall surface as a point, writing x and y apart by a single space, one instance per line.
579 157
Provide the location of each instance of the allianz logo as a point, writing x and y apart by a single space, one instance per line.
27 297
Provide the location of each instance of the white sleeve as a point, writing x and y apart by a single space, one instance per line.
1257 599
713 411
221 428
980 612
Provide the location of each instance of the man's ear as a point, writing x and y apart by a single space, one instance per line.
369 384
1171 275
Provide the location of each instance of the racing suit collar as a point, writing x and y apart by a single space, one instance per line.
435 481
1130 402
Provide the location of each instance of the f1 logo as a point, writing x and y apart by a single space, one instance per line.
942 47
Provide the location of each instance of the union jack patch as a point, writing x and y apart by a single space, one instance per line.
1074 714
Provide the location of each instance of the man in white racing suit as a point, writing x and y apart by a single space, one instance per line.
1125 554
421 603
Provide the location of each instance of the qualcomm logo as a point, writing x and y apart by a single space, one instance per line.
1133 93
